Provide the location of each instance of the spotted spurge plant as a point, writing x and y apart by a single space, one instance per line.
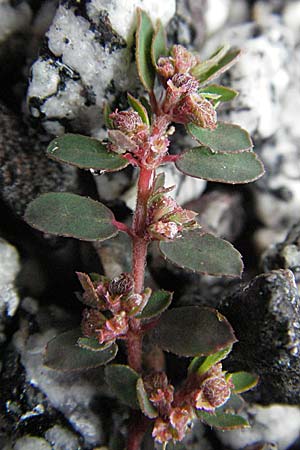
179 91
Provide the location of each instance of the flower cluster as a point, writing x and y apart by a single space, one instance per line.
146 144
182 101
112 303
166 219
176 410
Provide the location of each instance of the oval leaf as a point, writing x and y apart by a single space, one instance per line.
85 152
144 35
63 353
139 108
159 46
230 168
122 381
157 303
144 402
220 93
243 381
71 215
234 405
92 344
192 330
226 137
223 421
203 253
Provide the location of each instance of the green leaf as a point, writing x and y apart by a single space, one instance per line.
144 402
106 112
157 303
230 168
71 215
92 344
144 35
63 353
192 330
243 381
147 106
122 381
220 93
200 365
139 108
217 64
234 405
226 137
85 152
223 421
159 46
203 253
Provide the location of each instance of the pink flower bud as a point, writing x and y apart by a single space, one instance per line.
113 328
126 121
121 285
165 67
163 230
196 109
180 418
162 431
183 59
214 392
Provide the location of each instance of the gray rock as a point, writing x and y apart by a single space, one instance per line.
61 439
31 443
265 317
25 170
63 91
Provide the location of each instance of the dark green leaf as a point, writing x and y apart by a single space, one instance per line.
220 93
159 46
227 137
230 168
92 344
144 35
192 330
71 215
175 446
122 381
85 152
223 421
243 381
203 253
203 364
217 64
139 108
144 402
63 353
157 303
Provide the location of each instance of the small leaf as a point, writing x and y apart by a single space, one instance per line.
71 215
122 381
217 64
85 152
222 93
92 344
139 108
200 365
192 330
157 303
63 353
230 168
144 35
91 297
234 405
223 421
159 46
243 381
203 253
226 137
147 106
144 402
106 112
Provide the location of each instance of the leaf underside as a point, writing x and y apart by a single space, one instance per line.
217 64
203 253
192 331
230 168
71 215
225 94
144 402
158 47
157 303
64 355
144 35
85 152
226 137
223 421
122 380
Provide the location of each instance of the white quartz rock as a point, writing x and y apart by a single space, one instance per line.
276 423
13 18
9 268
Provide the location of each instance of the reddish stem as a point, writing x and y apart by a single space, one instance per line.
122 227
137 428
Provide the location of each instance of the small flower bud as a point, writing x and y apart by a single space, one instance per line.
165 67
180 418
183 59
196 109
214 392
163 230
126 121
121 285
162 431
92 321
113 328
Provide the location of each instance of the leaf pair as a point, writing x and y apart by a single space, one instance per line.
225 155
